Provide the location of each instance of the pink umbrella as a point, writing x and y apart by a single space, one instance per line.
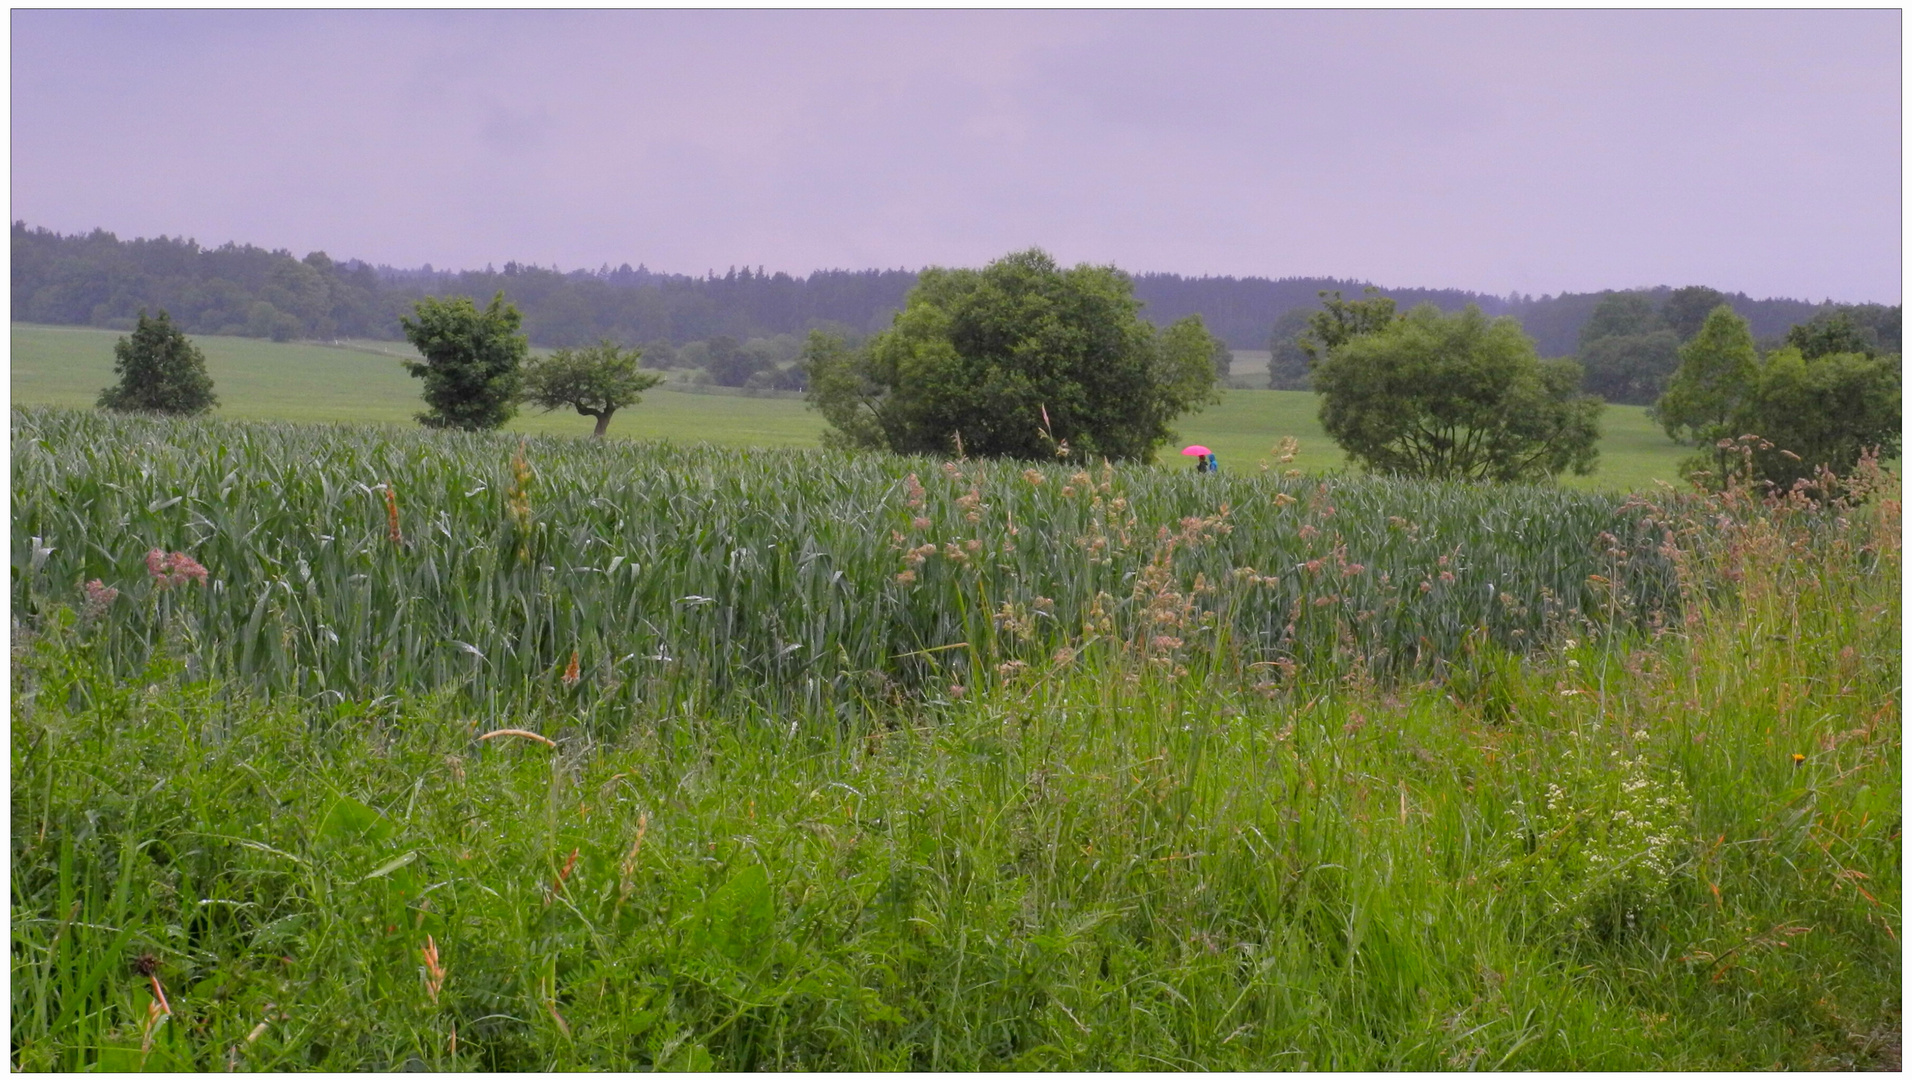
1195 451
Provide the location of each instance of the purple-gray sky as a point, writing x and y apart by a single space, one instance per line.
1490 150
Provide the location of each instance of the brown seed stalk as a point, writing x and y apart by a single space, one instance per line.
519 732
629 865
391 517
434 973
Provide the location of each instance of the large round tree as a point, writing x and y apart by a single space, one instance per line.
1019 359
1456 397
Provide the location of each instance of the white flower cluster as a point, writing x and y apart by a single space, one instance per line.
1609 841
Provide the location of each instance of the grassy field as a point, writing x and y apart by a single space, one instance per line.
262 380
364 384
474 754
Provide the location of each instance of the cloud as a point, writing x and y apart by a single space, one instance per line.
1496 150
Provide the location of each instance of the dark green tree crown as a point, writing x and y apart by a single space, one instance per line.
472 361
1019 359
160 370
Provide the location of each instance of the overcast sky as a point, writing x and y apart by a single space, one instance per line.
1754 151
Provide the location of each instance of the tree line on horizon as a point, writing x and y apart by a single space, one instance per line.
1033 360
96 279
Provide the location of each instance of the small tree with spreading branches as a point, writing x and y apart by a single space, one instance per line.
597 381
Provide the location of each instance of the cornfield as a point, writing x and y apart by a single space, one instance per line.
358 562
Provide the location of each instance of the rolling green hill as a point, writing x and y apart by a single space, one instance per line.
362 382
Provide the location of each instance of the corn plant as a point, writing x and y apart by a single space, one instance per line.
350 561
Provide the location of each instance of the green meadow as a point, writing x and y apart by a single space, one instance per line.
342 744
357 747
363 383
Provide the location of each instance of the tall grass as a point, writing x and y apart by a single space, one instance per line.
1675 846
350 562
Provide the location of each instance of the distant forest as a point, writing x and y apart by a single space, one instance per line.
96 279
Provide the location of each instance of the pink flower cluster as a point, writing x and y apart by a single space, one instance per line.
99 596
175 569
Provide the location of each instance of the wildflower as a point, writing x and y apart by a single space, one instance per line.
1447 575
1034 477
1798 760
956 691
906 576
1352 569
570 677
99 596
174 569
919 523
913 492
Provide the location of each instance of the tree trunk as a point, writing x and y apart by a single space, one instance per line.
603 421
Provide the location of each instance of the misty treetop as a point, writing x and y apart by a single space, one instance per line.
1630 345
96 279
